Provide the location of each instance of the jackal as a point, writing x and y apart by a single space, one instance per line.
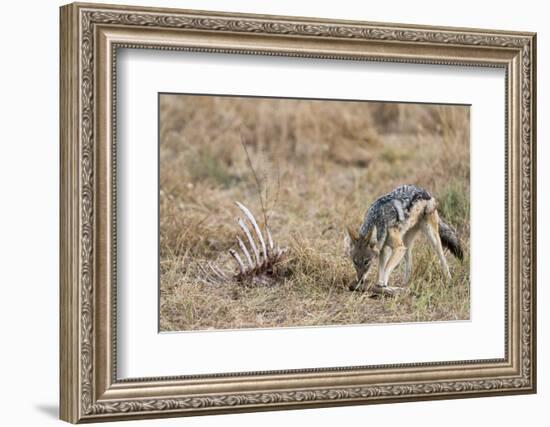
389 230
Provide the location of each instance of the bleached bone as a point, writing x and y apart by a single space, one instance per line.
255 225
208 277
250 240
217 271
237 258
257 270
245 252
269 238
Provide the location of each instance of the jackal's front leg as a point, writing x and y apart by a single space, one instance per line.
385 254
395 248
395 259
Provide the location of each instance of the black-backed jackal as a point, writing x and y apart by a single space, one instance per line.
389 230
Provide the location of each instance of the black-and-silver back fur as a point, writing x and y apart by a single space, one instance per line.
391 208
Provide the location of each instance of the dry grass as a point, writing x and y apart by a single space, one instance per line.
320 164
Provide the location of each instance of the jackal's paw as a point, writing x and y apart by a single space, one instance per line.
380 290
354 286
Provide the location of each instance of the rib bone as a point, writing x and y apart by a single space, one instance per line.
255 225
250 240
258 271
237 258
208 277
218 272
245 252
269 238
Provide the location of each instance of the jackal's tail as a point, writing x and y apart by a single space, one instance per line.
449 239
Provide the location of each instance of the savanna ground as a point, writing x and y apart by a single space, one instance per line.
320 164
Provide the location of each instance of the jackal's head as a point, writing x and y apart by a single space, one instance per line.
362 251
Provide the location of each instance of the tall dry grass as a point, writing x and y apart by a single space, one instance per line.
320 164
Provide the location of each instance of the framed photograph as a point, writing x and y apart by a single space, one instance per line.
265 212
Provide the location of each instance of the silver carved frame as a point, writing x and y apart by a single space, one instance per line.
90 36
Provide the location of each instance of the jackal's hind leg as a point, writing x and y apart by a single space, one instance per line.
408 265
408 240
432 232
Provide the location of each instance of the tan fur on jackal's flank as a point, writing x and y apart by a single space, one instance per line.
296 146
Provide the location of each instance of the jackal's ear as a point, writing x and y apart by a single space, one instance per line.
352 234
350 239
368 236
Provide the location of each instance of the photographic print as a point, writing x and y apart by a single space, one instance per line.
322 233
278 212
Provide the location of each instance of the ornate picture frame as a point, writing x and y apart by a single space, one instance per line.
90 37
